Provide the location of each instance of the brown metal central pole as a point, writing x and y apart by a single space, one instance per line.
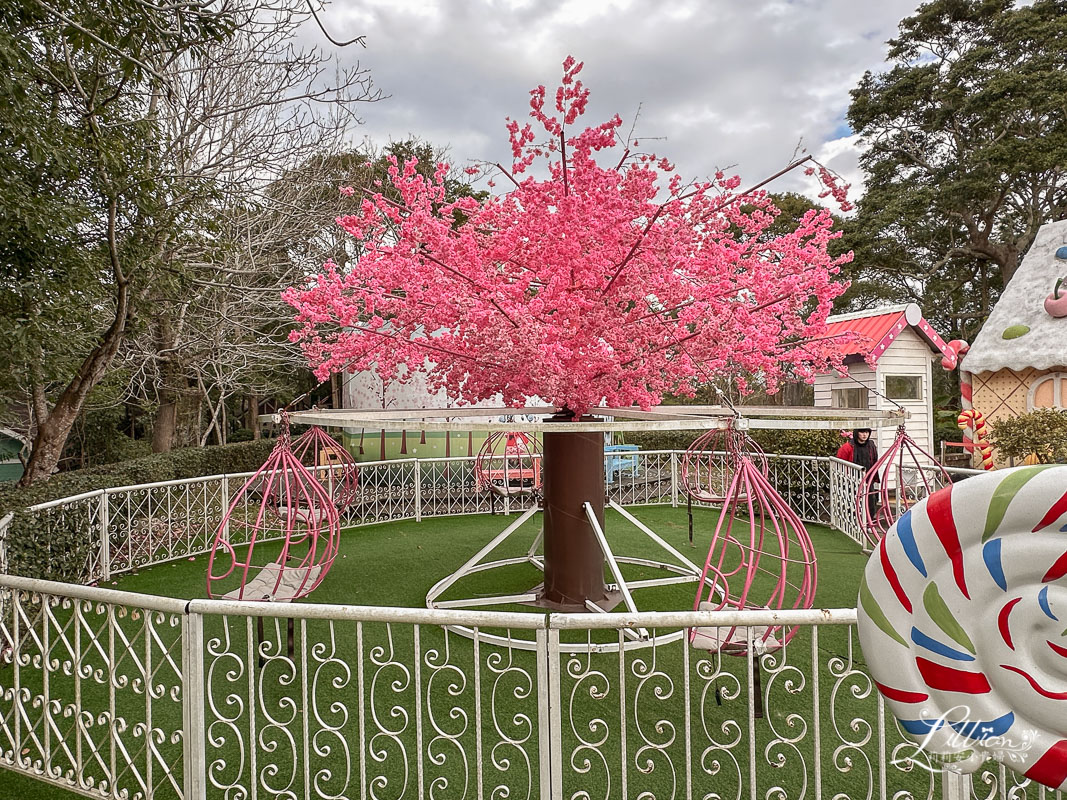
573 476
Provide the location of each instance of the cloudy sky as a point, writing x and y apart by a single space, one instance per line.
720 83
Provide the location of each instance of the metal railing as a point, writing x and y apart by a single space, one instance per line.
113 694
133 527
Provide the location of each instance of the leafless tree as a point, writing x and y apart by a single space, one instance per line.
240 116
212 103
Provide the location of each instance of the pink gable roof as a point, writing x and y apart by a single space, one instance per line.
880 327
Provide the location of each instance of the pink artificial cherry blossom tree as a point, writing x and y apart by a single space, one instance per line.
600 278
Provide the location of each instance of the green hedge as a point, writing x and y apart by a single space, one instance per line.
62 554
189 462
782 442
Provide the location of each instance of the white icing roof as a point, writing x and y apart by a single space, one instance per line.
1022 303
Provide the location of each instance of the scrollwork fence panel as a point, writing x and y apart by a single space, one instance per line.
668 721
845 480
137 526
804 482
91 691
160 522
97 695
350 707
643 477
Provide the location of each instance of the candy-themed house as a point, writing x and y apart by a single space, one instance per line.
890 365
1018 362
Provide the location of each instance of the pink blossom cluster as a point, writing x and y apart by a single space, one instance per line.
832 186
596 285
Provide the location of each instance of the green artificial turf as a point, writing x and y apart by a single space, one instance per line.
463 705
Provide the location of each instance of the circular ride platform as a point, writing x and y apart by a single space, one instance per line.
572 549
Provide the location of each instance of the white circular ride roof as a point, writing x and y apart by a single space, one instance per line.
606 419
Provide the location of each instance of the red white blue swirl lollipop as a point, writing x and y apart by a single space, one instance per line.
962 617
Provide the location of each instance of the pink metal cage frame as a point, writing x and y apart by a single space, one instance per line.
899 479
770 565
509 463
709 463
331 463
283 501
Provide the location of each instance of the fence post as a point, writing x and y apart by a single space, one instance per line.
674 479
225 507
194 751
832 480
549 719
955 785
5 525
418 491
105 536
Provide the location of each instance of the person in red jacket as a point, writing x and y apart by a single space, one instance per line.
862 450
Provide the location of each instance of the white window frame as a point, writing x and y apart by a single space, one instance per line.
844 389
910 377
1058 379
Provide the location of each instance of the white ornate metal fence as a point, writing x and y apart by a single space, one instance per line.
132 527
117 695
112 694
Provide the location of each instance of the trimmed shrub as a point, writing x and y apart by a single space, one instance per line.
1042 433
52 545
57 545
189 462
781 442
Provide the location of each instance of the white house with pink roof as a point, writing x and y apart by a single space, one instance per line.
891 366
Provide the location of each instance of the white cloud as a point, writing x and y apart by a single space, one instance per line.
726 83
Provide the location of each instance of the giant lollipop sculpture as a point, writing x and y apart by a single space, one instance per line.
961 621
592 286
903 475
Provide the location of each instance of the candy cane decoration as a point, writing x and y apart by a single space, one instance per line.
973 418
967 403
961 621
956 349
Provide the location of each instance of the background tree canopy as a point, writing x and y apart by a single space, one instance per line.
967 158
169 168
135 142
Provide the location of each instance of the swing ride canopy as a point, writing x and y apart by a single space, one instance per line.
607 419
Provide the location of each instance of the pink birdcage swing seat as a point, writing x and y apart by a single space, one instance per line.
331 464
281 501
902 476
709 463
773 567
509 463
